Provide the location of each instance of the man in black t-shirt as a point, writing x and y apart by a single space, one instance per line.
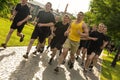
95 47
19 17
59 37
45 20
106 40
84 45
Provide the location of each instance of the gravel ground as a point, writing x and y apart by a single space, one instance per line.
14 67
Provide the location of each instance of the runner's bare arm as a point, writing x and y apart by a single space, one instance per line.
24 20
104 44
13 14
85 30
46 24
89 38
67 31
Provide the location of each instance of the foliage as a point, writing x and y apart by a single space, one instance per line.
72 17
6 5
90 18
106 11
108 72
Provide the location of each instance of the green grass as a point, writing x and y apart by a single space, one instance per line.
14 40
108 72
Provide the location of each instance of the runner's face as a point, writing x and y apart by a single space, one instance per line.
48 7
94 28
66 19
105 30
23 1
80 16
101 28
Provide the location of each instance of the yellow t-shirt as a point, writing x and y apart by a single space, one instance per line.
75 27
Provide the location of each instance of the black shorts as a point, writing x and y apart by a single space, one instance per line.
96 50
83 43
89 51
49 33
56 43
19 28
40 34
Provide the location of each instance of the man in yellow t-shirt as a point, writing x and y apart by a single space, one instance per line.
74 33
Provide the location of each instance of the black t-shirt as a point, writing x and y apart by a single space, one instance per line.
99 42
59 37
22 12
60 29
107 38
45 17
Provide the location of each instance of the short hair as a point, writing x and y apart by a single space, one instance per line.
66 15
101 24
81 13
50 4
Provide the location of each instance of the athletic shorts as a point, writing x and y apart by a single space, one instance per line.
72 45
19 28
56 43
83 43
97 51
38 33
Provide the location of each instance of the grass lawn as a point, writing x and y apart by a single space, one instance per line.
108 72
14 40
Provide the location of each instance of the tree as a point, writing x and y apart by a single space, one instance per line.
108 12
6 5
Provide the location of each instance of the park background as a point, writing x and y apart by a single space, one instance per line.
106 11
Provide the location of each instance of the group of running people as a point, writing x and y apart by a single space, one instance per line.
64 36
